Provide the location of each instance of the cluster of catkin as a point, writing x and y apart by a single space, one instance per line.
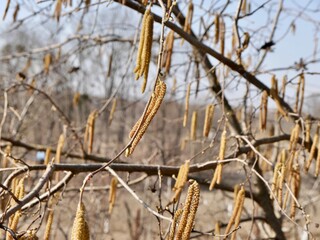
181 181
80 228
183 219
18 191
217 176
237 210
143 123
144 50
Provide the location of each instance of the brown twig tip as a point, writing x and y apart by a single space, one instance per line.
208 120
112 193
141 126
80 228
189 211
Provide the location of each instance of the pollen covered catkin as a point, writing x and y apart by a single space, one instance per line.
186 105
208 120
112 193
264 111
193 130
144 50
80 228
48 225
181 180
155 102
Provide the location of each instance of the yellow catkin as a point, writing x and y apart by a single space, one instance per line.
174 86
217 231
186 105
244 7
141 43
76 98
280 183
80 228
47 62
181 180
316 173
113 109
216 176
146 53
59 148
159 93
189 211
236 190
284 84
237 210
312 150
112 193
168 51
89 133
308 135
193 129
7 152
217 28
47 157
274 94
188 20
14 224
302 80
223 143
174 224
57 10
295 190
222 33
274 184
238 218
208 120
294 137
264 111
48 225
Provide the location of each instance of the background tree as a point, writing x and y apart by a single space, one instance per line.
222 142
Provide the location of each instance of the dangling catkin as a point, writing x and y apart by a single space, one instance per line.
217 28
274 185
193 130
80 228
283 87
294 137
216 176
112 193
302 92
313 150
222 33
181 180
174 224
237 210
113 109
308 136
168 51
47 157
47 61
223 143
316 174
156 98
217 231
146 54
274 94
264 111
189 212
295 190
186 106
89 133
208 120
48 225
57 10
59 148
188 20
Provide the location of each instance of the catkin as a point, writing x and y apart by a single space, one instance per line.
174 224
216 179
222 33
47 61
80 228
208 120
236 211
76 98
294 137
274 94
89 133
217 231
246 40
313 150
57 10
217 28
244 7
280 183
193 130
59 148
174 86
113 109
181 180
264 111
302 80
48 225
112 193
316 174
47 157
284 84
295 190
188 21
168 51
186 105
158 96
14 224
189 212
275 181
144 50
223 143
